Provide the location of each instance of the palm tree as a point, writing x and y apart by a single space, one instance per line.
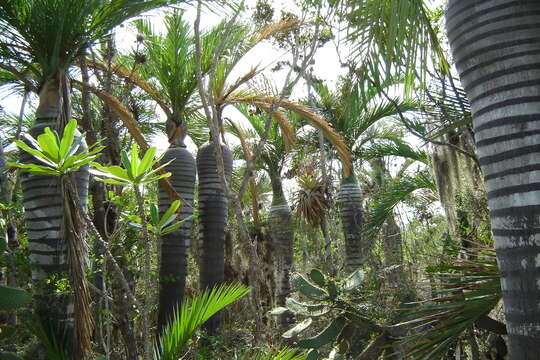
495 54
171 73
43 38
352 111
170 59
272 160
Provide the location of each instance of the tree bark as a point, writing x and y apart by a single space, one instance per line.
44 221
497 52
281 227
175 246
350 207
213 219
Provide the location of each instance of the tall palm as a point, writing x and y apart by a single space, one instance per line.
170 65
352 111
496 55
212 200
44 37
280 221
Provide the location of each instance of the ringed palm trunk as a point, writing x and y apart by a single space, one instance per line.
175 245
350 205
213 220
496 48
43 203
281 228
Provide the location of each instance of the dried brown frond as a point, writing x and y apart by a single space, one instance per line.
308 114
132 78
131 124
282 26
287 131
77 250
242 80
246 146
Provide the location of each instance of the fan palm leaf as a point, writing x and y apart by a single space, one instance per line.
471 289
191 315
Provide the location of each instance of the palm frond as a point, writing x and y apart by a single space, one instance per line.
395 147
307 113
134 79
276 28
287 131
55 32
191 316
394 192
471 289
395 35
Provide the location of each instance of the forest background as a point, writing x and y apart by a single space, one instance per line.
321 156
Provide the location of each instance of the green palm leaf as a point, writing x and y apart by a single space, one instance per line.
394 192
471 290
191 316
52 33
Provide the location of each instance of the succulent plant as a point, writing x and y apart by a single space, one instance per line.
327 299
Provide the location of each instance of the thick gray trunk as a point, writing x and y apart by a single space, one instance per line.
212 219
393 252
350 205
281 230
496 47
44 224
175 246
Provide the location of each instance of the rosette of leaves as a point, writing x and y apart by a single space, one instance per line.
162 225
328 300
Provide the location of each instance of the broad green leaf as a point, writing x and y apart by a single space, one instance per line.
12 298
171 211
278 311
36 169
298 328
48 145
354 280
135 160
127 165
36 153
308 289
67 138
154 215
147 161
169 229
313 354
312 310
326 336
317 277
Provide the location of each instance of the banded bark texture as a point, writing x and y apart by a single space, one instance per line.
213 220
175 245
350 207
44 224
281 227
496 47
